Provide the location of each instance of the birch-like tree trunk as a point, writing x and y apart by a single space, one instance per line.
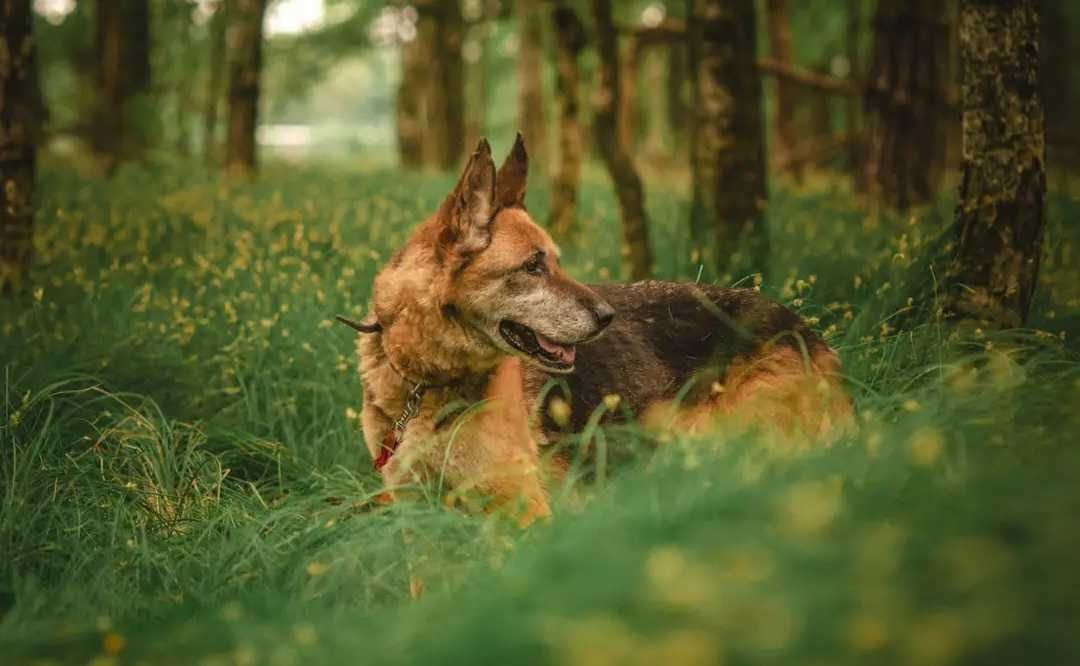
569 42
727 148
620 165
1000 217
20 111
245 43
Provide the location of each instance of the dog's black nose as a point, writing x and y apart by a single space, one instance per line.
604 314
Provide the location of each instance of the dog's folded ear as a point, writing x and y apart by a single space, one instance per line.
468 210
510 181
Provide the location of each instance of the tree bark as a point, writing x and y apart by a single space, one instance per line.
784 138
20 111
216 71
619 164
412 92
430 111
122 37
1057 66
245 70
678 109
446 99
531 103
475 53
905 95
569 42
1000 216
628 85
727 149
851 110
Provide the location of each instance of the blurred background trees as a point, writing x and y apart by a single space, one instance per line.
20 112
726 100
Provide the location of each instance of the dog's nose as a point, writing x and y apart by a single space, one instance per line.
604 314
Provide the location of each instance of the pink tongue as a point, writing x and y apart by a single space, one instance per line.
561 352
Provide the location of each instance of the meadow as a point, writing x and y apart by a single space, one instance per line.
183 478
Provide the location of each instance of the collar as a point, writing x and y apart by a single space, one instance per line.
393 438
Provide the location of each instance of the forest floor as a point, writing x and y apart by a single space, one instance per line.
182 476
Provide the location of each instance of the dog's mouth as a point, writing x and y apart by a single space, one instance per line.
552 355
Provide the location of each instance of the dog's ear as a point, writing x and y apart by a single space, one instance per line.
468 210
510 182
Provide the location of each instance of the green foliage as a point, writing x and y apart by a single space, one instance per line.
182 476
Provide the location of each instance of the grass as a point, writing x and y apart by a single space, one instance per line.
182 478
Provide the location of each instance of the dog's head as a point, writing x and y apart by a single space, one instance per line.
480 280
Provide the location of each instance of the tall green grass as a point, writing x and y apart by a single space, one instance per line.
182 477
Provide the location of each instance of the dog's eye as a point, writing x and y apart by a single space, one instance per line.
535 265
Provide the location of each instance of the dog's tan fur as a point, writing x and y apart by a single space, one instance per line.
440 307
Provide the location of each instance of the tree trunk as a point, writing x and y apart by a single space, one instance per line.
20 111
851 111
475 53
216 70
411 105
569 42
430 111
1057 67
531 103
1000 216
122 36
905 99
628 84
727 147
784 138
446 95
678 109
245 69
619 164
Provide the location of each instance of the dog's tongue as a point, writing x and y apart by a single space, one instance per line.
564 353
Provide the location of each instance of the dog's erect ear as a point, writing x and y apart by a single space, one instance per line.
510 183
468 210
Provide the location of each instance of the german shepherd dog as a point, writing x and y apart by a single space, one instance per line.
476 314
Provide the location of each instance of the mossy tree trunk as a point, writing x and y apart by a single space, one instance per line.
1000 217
620 165
122 48
569 42
531 102
905 102
727 148
20 111
245 44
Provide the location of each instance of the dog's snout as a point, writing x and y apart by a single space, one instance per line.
604 314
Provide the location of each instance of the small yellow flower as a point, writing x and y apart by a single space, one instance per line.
112 643
926 446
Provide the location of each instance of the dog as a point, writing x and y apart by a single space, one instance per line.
471 320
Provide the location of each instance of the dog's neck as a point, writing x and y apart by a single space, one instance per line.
398 372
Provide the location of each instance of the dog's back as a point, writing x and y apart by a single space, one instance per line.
711 347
